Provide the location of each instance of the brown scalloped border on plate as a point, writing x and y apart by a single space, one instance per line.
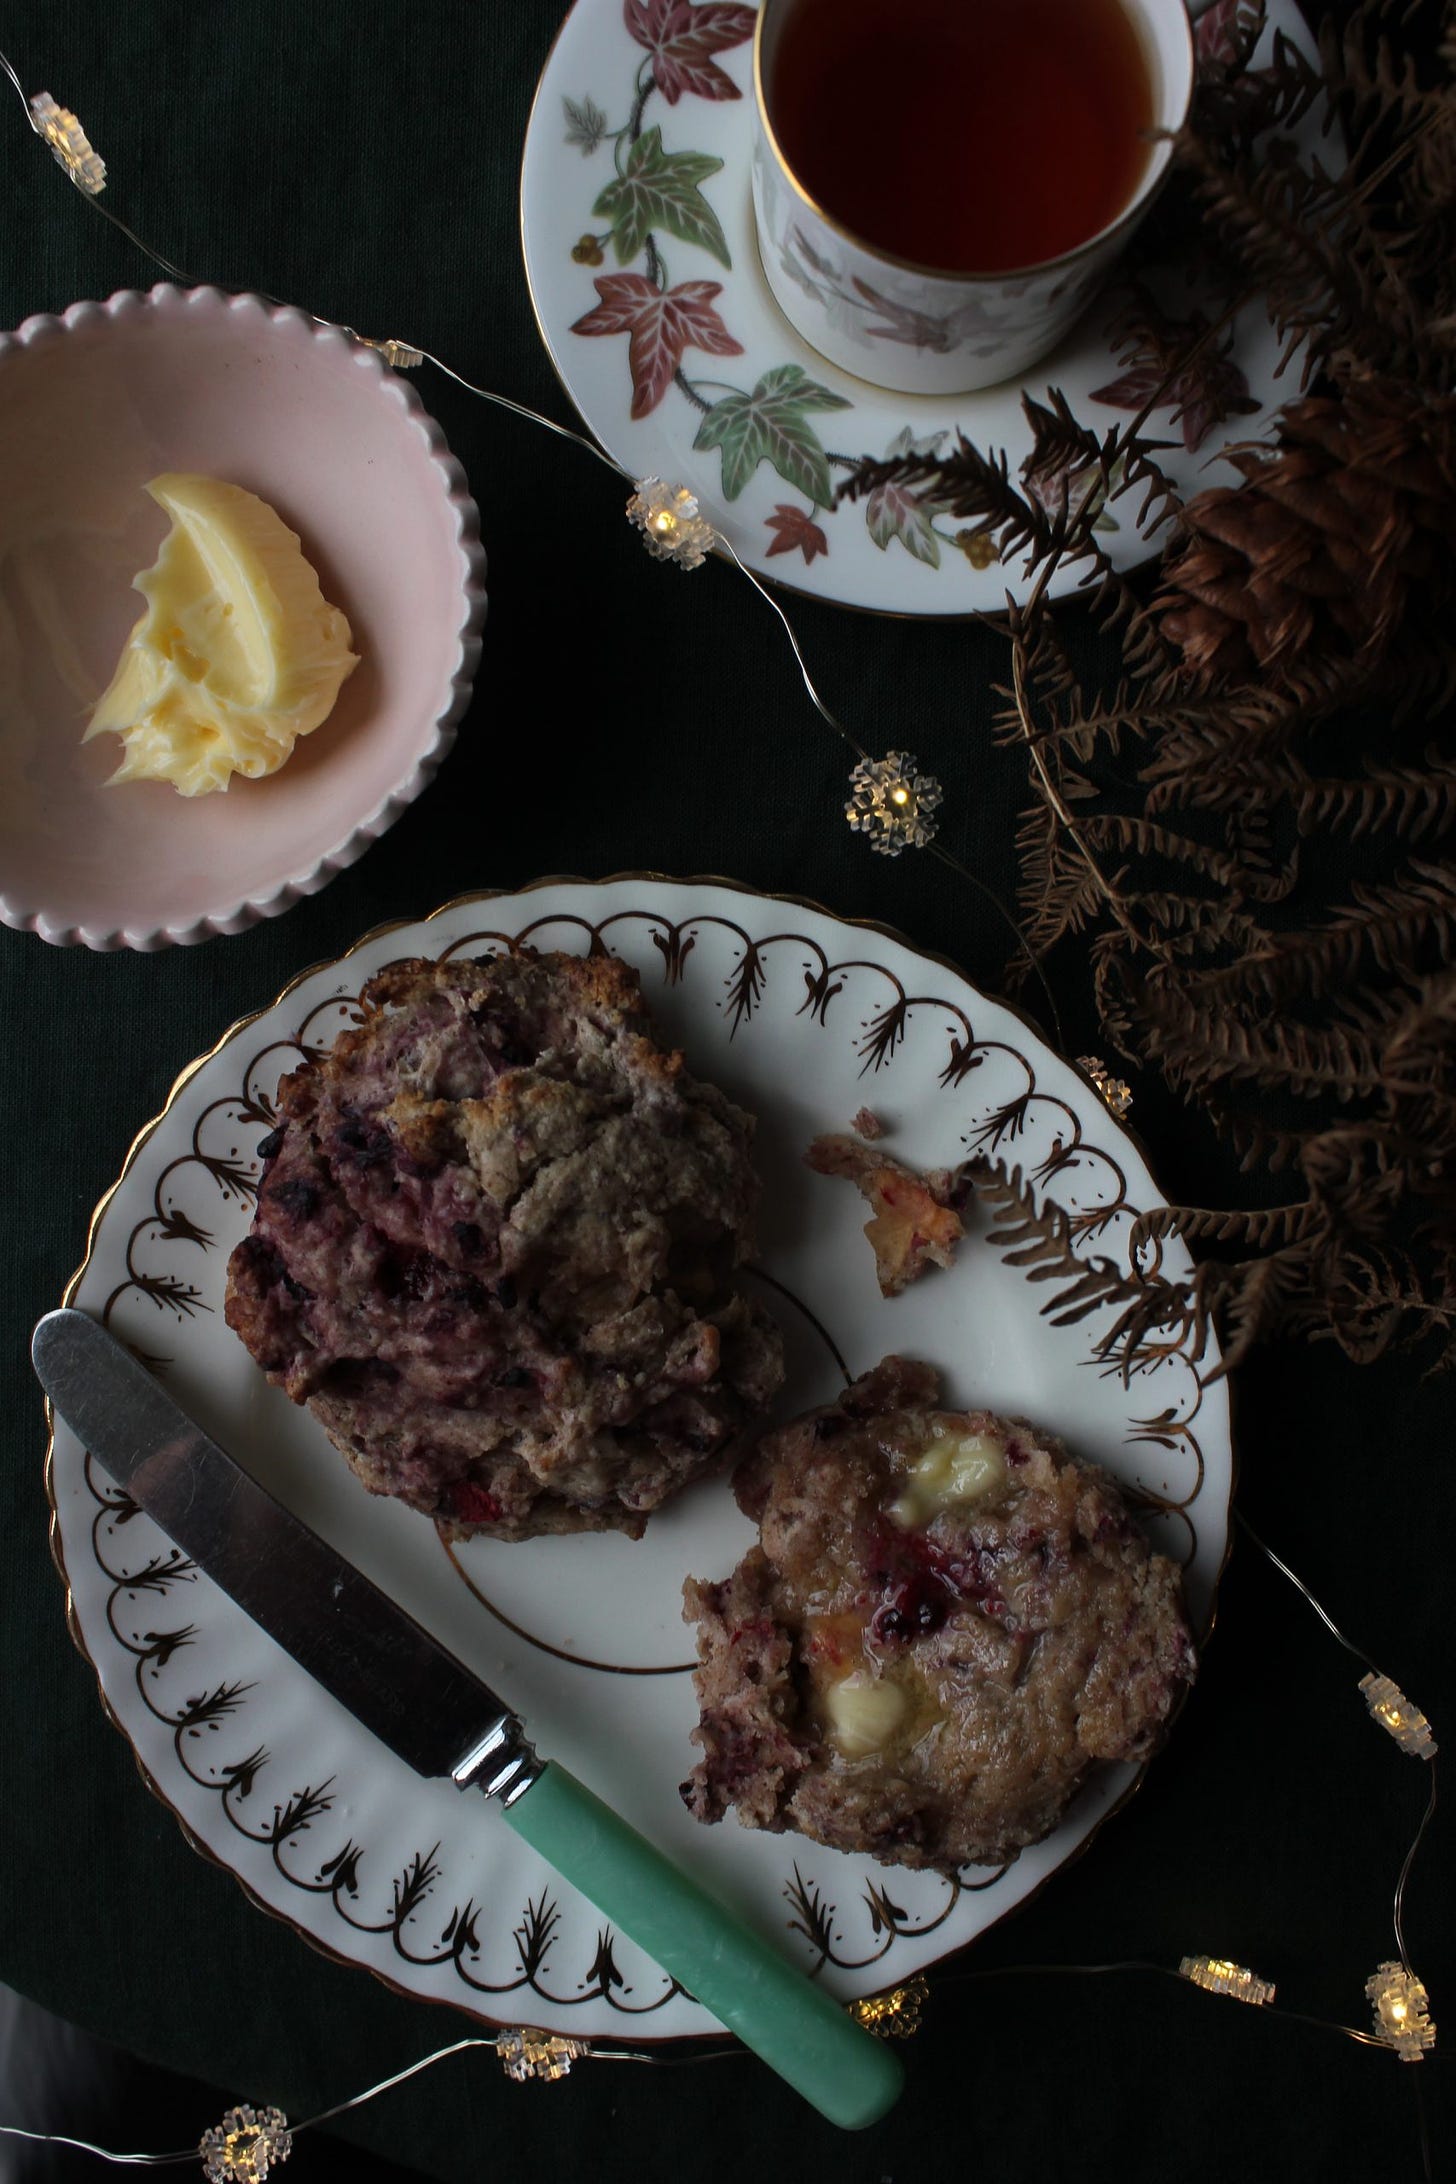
812 1916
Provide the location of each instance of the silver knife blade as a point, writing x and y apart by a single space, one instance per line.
430 1709
364 1649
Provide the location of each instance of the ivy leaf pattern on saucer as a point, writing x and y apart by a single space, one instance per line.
659 189
1067 490
1199 382
892 512
660 325
1225 32
682 36
668 173
1197 400
586 124
771 426
795 531
1200 399
656 196
904 512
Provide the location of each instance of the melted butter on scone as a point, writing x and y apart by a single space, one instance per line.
864 1712
238 653
955 1471
863 1708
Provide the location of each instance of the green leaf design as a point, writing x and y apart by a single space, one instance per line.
659 189
586 124
892 511
770 426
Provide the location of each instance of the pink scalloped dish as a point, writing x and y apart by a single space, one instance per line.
95 403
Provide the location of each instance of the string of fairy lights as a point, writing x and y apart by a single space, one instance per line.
894 806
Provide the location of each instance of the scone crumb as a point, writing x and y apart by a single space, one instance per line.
913 1225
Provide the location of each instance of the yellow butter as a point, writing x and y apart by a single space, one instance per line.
238 653
956 1469
864 1712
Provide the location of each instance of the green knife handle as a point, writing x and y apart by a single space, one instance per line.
799 2031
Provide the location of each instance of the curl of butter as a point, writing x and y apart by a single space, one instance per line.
238 653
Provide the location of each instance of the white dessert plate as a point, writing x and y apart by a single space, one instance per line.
93 404
682 364
803 1019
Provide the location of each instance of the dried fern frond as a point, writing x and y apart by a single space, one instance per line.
1200 1043
1328 269
1395 927
1242 836
1240 104
1154 1316
1407 802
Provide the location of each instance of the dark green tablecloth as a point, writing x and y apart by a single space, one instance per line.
363 158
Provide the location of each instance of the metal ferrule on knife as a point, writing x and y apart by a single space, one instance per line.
502 1762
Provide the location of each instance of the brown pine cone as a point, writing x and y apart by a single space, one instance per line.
1335 528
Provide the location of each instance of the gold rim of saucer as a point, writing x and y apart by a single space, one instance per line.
1145 189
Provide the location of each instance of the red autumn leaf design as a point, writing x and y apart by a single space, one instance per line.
682 36
661 324
1201 397
1168 359
795 528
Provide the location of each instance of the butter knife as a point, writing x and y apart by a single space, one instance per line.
441 1719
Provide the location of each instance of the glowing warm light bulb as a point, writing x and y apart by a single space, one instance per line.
670 523
893 803
1402 2011
1389 1706
1219 1975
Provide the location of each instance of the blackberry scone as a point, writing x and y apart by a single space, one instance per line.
494 1245
946 1623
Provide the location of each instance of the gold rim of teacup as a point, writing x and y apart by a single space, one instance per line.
1162 134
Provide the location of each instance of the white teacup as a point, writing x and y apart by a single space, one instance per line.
910 327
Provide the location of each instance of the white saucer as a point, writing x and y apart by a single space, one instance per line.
883 553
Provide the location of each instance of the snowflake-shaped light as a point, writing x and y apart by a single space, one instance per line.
1394 1711
526 2052
245 2145
1217 1975
400 356
668 518
892 803
895 2014
59 128
1115 1091
1402 2011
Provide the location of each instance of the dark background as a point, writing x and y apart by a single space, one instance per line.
362 159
